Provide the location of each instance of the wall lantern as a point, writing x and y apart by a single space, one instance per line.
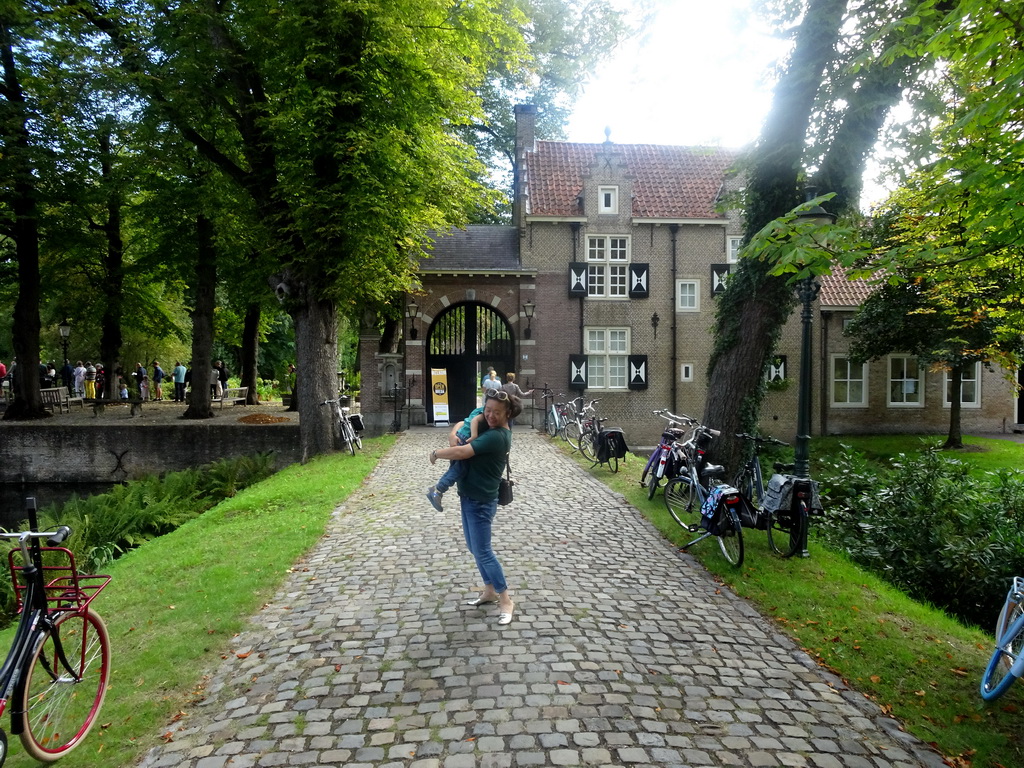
528 309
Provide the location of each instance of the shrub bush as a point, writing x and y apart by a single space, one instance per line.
928 527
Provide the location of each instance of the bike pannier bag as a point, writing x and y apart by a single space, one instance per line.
611 443
778 496
357 421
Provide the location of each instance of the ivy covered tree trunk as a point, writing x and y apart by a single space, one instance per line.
316 348
112 285
200 401
16 164
251 352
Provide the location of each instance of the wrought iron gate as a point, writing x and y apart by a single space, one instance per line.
467 339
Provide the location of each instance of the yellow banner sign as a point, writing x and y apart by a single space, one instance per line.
439 391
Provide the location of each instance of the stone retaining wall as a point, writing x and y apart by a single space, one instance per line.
75 454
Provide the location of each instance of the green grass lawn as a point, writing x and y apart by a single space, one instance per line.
914 661
174 604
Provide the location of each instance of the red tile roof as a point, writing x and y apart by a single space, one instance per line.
668 182
839 291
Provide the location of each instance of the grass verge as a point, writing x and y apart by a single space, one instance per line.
175 603
914 661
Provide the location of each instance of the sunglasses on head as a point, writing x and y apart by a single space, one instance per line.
497 394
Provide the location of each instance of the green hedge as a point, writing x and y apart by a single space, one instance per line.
928 527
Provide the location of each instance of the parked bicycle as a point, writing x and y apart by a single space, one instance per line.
346 425
667 457
583 430
56 672
783 507
557 415
700 503
1007 662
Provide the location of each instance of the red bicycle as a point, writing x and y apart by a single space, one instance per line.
56 672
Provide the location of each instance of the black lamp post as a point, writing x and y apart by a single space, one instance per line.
528 309
807 291
414 310
65 333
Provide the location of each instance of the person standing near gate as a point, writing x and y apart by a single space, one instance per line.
513 390
491 380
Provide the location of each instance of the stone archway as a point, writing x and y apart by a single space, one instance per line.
466 339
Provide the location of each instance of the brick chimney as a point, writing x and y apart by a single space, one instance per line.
526 139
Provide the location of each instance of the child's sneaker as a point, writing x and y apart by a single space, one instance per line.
434 498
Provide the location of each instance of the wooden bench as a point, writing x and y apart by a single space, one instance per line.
53 397
99 404
235 396
69 399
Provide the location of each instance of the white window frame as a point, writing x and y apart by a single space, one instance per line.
686 371
608 200
602 358
833 381
608 258
904 381
974 403
733 244
695 307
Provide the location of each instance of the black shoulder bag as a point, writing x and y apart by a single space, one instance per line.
505 485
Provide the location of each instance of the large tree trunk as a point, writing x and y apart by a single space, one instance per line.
200 399
954 439
28 403
316 350
251 353
113 274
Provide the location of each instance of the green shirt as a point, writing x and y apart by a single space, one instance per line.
487 465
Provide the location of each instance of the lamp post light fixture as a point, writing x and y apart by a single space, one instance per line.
65 333
654 323
528 309
414 310
807 291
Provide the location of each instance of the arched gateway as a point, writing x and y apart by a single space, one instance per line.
465 339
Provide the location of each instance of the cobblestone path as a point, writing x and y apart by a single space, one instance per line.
623 652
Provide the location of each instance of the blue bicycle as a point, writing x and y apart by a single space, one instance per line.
1007 662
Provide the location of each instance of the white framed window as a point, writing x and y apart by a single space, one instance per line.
607 199
686 371
849 385
906 382
687 295
970 387
732 248
607 265
607 356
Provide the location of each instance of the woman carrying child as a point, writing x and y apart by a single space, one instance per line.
484 458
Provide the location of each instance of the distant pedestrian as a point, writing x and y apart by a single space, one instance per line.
79 374
90 380
67 376
491 380
158 378
513 390
179 381
222 375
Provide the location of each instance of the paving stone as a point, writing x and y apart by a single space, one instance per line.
623 652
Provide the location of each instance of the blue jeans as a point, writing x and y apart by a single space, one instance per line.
455 472
477 517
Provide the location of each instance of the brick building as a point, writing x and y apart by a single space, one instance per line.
605 286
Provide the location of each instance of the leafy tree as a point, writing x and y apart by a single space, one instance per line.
829 105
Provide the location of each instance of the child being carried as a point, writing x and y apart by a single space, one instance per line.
464 432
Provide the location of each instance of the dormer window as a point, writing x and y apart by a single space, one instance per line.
607 199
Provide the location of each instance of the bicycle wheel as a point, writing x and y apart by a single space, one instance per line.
588 445
682 501
744 483
786 530
997 678
730 536
653 481
61 707
348 436
571 435
551 424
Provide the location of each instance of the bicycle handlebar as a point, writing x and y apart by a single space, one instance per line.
760 439
53 538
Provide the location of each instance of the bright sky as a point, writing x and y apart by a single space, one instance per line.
699 74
